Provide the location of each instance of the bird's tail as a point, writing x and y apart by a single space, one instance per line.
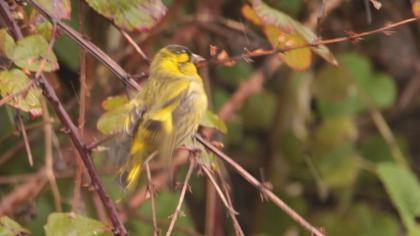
130 172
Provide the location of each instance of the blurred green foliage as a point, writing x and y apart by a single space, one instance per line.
311 133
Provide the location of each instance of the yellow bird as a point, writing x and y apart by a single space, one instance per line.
166 111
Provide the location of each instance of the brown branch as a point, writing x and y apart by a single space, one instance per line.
23 193
174 217
135 46
25 138
317 43
151 190
88 46
225 201
264 190
49 169
73 133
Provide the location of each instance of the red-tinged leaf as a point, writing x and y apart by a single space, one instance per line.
59 9
141 15
29 53
285 24
14 81
298 59
6 43
415 7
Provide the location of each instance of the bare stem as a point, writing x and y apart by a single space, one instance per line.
174 217
265 191
225 201
151 190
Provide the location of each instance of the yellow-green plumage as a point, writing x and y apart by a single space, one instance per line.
166 111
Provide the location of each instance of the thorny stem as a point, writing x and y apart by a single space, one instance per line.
268 193
174 217
317 43
88 46
73 133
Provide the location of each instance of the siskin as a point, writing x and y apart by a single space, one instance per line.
167 110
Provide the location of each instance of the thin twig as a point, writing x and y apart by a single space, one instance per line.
49 169
174 217
225 201
151 190
267 192
88 46
135 46
82 112
236 224
317 43
25 138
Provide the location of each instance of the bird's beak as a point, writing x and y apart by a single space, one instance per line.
197 58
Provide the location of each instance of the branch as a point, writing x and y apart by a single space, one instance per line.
351 37
151 190
181 197
264 190
89 47
73 133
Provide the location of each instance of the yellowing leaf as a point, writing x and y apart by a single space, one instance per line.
250 15
130 15
6 43
14 81
211 120
9 227
298 59
415 7
29 53
271 20
59 9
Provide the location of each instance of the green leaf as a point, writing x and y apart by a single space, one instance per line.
69 224
112 121
360 220
337 166
31 51
9 227
39 25
114 102
141 15
14 81
404 190
212 120
381 90
59 9
6 43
